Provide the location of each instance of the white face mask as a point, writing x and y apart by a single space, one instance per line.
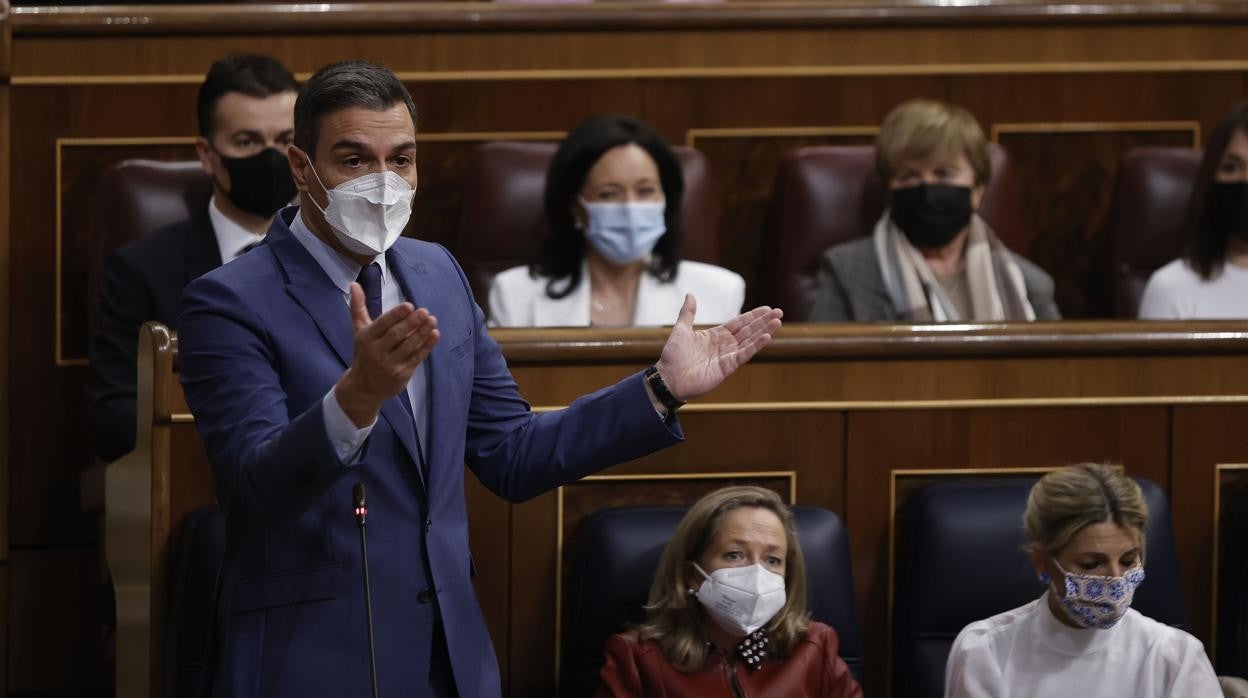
367 214
741 599
624 232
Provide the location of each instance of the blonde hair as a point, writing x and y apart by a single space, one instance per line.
674 618
921 128
1066 501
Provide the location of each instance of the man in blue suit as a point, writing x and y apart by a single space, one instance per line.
338 353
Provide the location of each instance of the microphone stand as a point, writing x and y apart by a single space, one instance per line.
361 513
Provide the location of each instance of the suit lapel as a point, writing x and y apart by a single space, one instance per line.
409 274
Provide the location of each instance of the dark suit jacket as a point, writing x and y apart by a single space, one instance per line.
143 280
851 287
262 340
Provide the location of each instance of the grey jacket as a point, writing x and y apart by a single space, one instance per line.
851 288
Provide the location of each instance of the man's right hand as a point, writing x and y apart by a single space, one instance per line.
387 352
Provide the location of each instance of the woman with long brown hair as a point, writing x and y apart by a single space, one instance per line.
727 612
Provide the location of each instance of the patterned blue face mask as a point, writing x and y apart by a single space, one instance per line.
624 232
1094 601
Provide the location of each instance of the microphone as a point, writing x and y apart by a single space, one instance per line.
361 515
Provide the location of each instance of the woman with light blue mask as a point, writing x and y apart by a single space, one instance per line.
1085 537
610 257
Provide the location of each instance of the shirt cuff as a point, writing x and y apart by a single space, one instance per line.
347 439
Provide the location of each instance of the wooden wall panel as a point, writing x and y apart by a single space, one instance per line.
1231 520
56 642
884 441
1068 177
745 162
1202 440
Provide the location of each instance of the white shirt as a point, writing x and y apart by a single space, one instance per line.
343 434
231 237
517 299
1027 652
1176 292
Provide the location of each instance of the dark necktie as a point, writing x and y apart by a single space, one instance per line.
370 281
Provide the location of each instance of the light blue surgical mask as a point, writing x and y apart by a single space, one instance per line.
624 232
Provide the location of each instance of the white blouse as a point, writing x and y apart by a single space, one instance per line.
1176 292
1027 652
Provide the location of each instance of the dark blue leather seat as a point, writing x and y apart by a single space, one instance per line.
961 559
617 557
196 565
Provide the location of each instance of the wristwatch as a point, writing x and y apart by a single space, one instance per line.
661 391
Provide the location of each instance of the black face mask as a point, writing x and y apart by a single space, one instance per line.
931 215
1228 208
260 184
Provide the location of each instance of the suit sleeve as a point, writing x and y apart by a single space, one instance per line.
125 304
518 454
620 676
275 466
831 303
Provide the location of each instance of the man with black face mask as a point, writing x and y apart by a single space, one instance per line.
246 122
931 258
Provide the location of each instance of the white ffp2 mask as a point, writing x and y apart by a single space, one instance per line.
369 213
741 599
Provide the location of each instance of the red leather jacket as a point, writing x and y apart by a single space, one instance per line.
813 669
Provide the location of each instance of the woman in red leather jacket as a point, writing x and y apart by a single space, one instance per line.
727 612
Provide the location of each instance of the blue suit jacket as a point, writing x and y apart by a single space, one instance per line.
261 341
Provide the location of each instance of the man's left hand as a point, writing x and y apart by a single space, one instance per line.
695 362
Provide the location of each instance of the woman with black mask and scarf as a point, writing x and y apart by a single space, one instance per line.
1211 280
931 257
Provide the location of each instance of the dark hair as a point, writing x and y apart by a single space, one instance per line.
1206 244
564 245
343 85
247 73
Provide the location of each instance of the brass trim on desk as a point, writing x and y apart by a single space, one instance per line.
708 72
1062 127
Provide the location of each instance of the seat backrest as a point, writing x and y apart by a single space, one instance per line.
195 562
1149 210
962 560
136 198
826 195
503 220
616 561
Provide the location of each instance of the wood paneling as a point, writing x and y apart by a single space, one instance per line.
745 164
1202 438
55 640
1068 176
1231 512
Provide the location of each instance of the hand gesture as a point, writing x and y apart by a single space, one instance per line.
387 352
694 363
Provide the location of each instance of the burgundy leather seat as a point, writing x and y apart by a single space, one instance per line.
1147 220
827 195
503 221
136 198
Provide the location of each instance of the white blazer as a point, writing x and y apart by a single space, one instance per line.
517 299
